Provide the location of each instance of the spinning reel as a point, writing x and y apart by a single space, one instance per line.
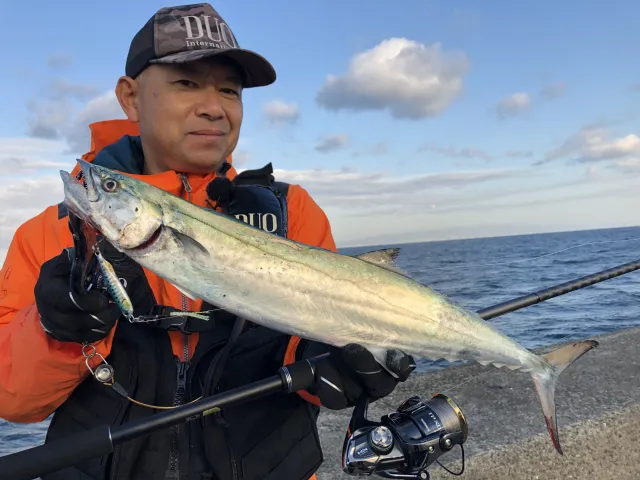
406 442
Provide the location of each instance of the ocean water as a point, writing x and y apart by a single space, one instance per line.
482 272
478 273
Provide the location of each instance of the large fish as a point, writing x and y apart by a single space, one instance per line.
298 289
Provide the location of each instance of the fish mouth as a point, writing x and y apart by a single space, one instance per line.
87 176
83 192
76 198
80 191
151 240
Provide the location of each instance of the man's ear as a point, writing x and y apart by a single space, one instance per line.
127 94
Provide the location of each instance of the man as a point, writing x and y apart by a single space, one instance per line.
182 94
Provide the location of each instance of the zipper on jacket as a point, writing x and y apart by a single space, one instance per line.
182 368
114 461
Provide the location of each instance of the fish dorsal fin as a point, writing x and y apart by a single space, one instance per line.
385 258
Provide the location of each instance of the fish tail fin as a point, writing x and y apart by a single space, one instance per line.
545 382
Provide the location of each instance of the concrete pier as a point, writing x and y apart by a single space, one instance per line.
598 409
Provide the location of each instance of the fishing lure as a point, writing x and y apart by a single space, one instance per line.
121 297
114 287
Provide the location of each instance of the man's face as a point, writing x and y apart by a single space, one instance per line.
189 115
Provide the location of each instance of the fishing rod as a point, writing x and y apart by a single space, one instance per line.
48 458
557 290
450 429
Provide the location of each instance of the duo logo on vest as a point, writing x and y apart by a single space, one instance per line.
264 221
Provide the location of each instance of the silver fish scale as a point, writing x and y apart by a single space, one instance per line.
343 299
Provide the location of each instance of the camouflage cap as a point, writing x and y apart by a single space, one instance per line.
192 32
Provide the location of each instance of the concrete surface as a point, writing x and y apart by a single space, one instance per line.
598 409
606 448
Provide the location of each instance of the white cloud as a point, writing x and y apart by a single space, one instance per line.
513 105
378 206
332 143
382 181
409 79
594 143
29 155
278 111
519 153
453 152
375 208
66 112
62 89
379 148
367 195
59 130
47 117
30 181
375 192
629 165
240 158
553 91
59 60
23 199
103 107
469 199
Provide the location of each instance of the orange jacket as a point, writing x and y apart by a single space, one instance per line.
37 373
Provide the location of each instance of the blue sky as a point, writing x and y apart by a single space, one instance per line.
444 175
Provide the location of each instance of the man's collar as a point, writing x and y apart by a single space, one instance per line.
108 132
125 155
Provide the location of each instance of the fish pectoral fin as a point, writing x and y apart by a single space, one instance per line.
189 244
384 258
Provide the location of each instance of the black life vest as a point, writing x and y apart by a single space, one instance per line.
268 439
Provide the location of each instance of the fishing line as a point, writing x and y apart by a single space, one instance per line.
467 265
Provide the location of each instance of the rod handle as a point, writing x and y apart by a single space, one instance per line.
301 374
51 457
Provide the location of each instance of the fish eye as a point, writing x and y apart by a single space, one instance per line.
109 185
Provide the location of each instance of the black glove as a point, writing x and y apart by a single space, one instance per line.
89 319
349 372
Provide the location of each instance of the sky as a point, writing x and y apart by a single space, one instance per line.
436 120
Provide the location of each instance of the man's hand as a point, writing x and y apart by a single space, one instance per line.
350 371
89 318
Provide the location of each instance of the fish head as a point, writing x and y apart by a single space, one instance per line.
121 208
